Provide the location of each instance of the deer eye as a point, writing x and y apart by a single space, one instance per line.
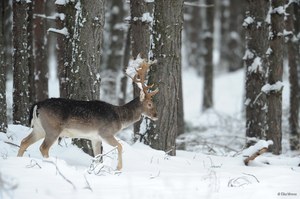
149 105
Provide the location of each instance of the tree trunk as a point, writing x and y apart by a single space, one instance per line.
64 46
208 57
114 53
84 77
275 75
21 75
168 20
140 41
294 61
40 51
193 40
124 79
256 67
235 41
225 33
4 56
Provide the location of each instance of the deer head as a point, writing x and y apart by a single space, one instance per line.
149 108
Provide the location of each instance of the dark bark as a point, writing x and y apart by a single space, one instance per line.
256 47
5 11
292 45
235 41
64 46
40 51
124 79
225 33
140 41
193 41
208 57
275 71
84 73
22 76
168 20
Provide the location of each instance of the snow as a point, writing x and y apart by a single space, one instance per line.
63 31
256 65
61 2
147 173
205 170
279 10
269 51
267 88
248 21
248 55
255 148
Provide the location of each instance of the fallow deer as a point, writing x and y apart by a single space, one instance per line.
94 120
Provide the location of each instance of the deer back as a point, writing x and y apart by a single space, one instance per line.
72 117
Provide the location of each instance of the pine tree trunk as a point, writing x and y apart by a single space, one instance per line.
21 68
3 66
115 51
140 41
193 40
275 59
225 34
256 48
235 41
168 20
64 46
208 57
294 62
84 77
40 51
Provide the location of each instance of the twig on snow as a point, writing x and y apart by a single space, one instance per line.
33 163
13 144
60 173
155 176
87 183
98 168
252 176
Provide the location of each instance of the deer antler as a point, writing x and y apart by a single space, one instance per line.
140 79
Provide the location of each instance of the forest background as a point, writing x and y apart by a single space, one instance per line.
87 50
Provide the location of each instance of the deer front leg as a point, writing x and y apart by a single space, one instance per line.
113 142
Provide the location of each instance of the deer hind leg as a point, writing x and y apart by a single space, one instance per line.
33 137
113 142
47 143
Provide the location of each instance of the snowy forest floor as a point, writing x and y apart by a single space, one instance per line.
209 163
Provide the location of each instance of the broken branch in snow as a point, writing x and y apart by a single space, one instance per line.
254 151
253 156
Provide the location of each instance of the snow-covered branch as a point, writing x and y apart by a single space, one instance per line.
253 151
63 31
277 87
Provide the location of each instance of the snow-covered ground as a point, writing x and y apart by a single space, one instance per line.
210 167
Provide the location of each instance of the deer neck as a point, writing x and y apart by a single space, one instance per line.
130 112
